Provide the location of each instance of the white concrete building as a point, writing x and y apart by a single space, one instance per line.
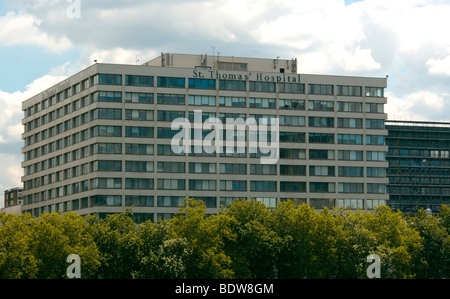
100 140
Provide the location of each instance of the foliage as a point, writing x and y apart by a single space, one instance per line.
244 240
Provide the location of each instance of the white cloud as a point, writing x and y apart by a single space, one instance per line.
439 66
421 105
121 55
23 29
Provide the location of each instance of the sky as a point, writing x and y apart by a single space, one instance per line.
44 41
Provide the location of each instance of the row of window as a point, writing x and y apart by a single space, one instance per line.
175 201
166 150
148 132
177 82
425 153
195 167
209 185
203 101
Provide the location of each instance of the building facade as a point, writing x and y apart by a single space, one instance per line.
13 197
102 140
419 165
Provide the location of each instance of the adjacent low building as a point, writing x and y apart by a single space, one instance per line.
103 139
13 201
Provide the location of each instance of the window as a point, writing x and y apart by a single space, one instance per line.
292 186
139 183
146 132
106 165
350 155
171 99
321 105
106 200
169 115
232 102
262 86
263 169
375 139
349 171
166 150
139 201
202 100
320 89
233 185
262 103
138 149
170 201
374 123
171 184
202 185
374 92
374 108
291 153
321 138
171 167
270 202
376 188
320 203
350 123
327 122
108 79
292 137
171 82
104 113
375 156
106 131
321 170
379 172
291 169
136 80
373 203
321 187
263 186
106 183
202 83
286 120
166 132
349 139
352 204
343 90
351 187
132 114
233 168
139 97
139 166
298 88
202 167
315 154
106 96
291 104
349 107
232 85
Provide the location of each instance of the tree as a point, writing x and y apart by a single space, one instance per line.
118 244
436 246
251 244
16 259
397 245
204 235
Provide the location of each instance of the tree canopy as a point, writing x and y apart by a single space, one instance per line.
244 240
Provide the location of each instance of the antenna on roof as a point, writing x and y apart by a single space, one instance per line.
137 59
